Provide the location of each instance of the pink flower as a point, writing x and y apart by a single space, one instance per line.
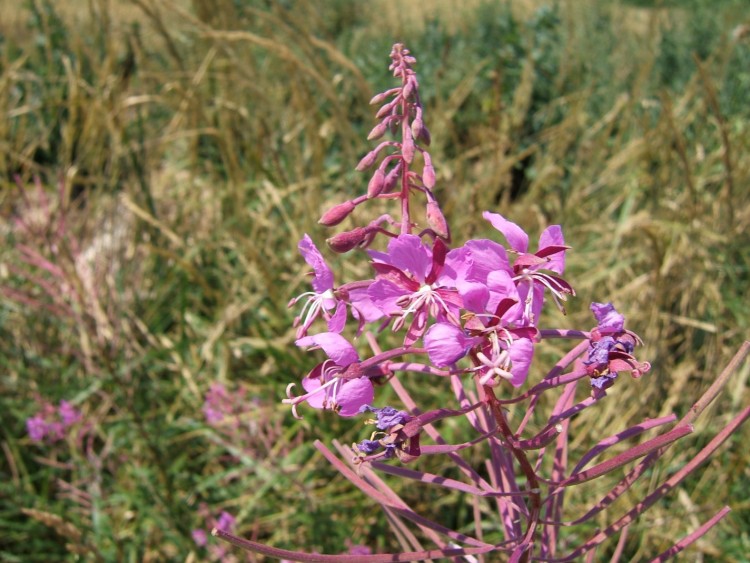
414 280
337 384
528 273
322 301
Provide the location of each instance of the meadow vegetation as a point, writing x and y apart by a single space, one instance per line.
160 159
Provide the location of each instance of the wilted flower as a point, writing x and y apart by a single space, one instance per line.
611 348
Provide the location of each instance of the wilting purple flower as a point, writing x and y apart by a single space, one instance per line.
611 348
412 281
608 318
338 383
386 417
528 268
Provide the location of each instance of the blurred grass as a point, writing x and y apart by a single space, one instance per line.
196 142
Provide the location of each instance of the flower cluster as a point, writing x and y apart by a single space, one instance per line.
467 316
50 424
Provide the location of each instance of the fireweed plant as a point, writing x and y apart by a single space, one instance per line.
469 316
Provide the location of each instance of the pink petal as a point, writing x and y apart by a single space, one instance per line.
323 278
552 236
516 237
521 354
407 253
446 344
338 320
336 346
353 395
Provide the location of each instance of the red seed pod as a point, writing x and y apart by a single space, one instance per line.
436 220
337 213
346 241
375 187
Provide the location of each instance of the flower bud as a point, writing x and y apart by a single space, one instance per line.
337 213
346 241
379 98
375 187
386 109
436 220
378 131
367 160
424 135
391 178
428 172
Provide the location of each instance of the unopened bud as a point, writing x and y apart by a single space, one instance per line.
367 160
346 241
424 135
391 178
378 98
386 109
378 131
375 187
416 127
428 172
407 147
337 213
436 220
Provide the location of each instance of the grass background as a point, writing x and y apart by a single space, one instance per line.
184 148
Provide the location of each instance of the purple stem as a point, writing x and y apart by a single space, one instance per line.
689 539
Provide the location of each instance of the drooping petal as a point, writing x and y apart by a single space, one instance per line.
515 235
446 344
521 353
336 346
338 320
552 237
323 276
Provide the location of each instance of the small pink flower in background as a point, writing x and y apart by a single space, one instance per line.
225 522
50 424
217 404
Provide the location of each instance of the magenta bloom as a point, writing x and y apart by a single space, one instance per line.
415 280
337 384
37 428
50 424
528 269
322 301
